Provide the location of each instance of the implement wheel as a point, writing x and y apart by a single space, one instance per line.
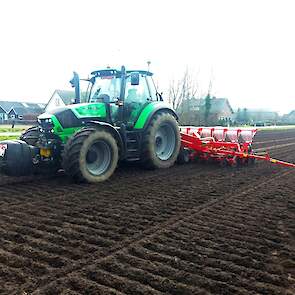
251 161
161 142
91 155
183 156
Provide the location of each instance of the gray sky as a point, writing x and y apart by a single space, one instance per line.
247 47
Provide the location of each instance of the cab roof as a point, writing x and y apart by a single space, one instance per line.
117 73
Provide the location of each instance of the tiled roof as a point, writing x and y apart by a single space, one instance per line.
22 107
217 104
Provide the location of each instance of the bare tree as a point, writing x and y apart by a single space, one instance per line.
183 89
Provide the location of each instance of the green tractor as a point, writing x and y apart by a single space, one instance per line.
121 117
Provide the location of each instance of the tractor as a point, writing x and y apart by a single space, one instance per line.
120 117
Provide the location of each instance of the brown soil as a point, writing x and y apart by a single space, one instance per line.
192 229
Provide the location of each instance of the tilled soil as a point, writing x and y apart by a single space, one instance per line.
192 229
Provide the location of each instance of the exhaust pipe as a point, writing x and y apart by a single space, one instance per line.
16 157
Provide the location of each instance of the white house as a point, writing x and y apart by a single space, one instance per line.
60 98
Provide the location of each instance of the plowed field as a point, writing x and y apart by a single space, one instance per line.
192 229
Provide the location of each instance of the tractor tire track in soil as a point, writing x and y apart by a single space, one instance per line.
120 236
171 226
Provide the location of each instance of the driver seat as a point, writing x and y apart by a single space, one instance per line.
132 95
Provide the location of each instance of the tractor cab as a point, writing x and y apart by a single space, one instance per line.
126 93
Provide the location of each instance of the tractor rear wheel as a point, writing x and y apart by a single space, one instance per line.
161 142
91 155
31 135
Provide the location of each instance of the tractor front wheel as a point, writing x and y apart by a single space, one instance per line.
161 142
31 135
91 155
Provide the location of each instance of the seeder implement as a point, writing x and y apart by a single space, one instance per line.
227 146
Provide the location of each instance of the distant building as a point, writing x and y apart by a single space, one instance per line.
3 115
259 116
20 110
60 98
193 110
289 118
221 108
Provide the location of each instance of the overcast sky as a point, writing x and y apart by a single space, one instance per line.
247 47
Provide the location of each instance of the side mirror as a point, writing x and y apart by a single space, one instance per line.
159 96
134 78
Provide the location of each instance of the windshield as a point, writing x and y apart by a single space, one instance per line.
105 89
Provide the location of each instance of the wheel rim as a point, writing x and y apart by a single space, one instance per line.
98 158
165 142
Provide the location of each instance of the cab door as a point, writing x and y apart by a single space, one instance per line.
136 98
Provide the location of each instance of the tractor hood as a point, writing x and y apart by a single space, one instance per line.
64 121
73 115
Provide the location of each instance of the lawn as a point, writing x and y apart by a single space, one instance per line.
273 128
17 128
10 137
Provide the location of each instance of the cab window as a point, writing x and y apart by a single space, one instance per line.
152 88
137 93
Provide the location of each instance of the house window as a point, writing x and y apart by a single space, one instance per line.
57 101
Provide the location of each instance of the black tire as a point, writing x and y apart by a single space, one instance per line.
91 155
31 135
163 127
183 156
241 162
251 161
223 162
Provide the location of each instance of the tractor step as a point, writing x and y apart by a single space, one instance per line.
132 150
132 153
132 146
133 159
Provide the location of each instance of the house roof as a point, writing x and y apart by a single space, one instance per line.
258 115
22 107
2 110
217 104
264 111
25 111
8 105
67 96
291 115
